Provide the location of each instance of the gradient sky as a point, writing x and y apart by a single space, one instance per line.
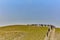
30 11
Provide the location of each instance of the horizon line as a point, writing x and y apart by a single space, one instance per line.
26 24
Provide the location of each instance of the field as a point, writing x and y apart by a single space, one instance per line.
22 32
57 33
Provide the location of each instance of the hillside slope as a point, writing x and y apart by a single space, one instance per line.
57 33
22 32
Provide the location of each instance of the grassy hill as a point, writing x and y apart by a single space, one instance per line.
22 32
57 33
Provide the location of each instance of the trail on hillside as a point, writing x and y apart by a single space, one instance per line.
51 35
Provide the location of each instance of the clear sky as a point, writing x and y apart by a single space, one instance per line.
30 11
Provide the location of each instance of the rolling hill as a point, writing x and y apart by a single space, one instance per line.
57 33
22 32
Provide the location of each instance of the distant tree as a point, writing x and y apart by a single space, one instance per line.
45 25
42 25
28 25
32 24
36 24
52 26
39 24
48 25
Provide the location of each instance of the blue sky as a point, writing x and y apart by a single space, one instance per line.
30 11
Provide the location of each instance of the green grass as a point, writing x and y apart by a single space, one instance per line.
57 30
57 33
30 32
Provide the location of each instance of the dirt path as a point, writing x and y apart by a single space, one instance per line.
46 38
51 35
